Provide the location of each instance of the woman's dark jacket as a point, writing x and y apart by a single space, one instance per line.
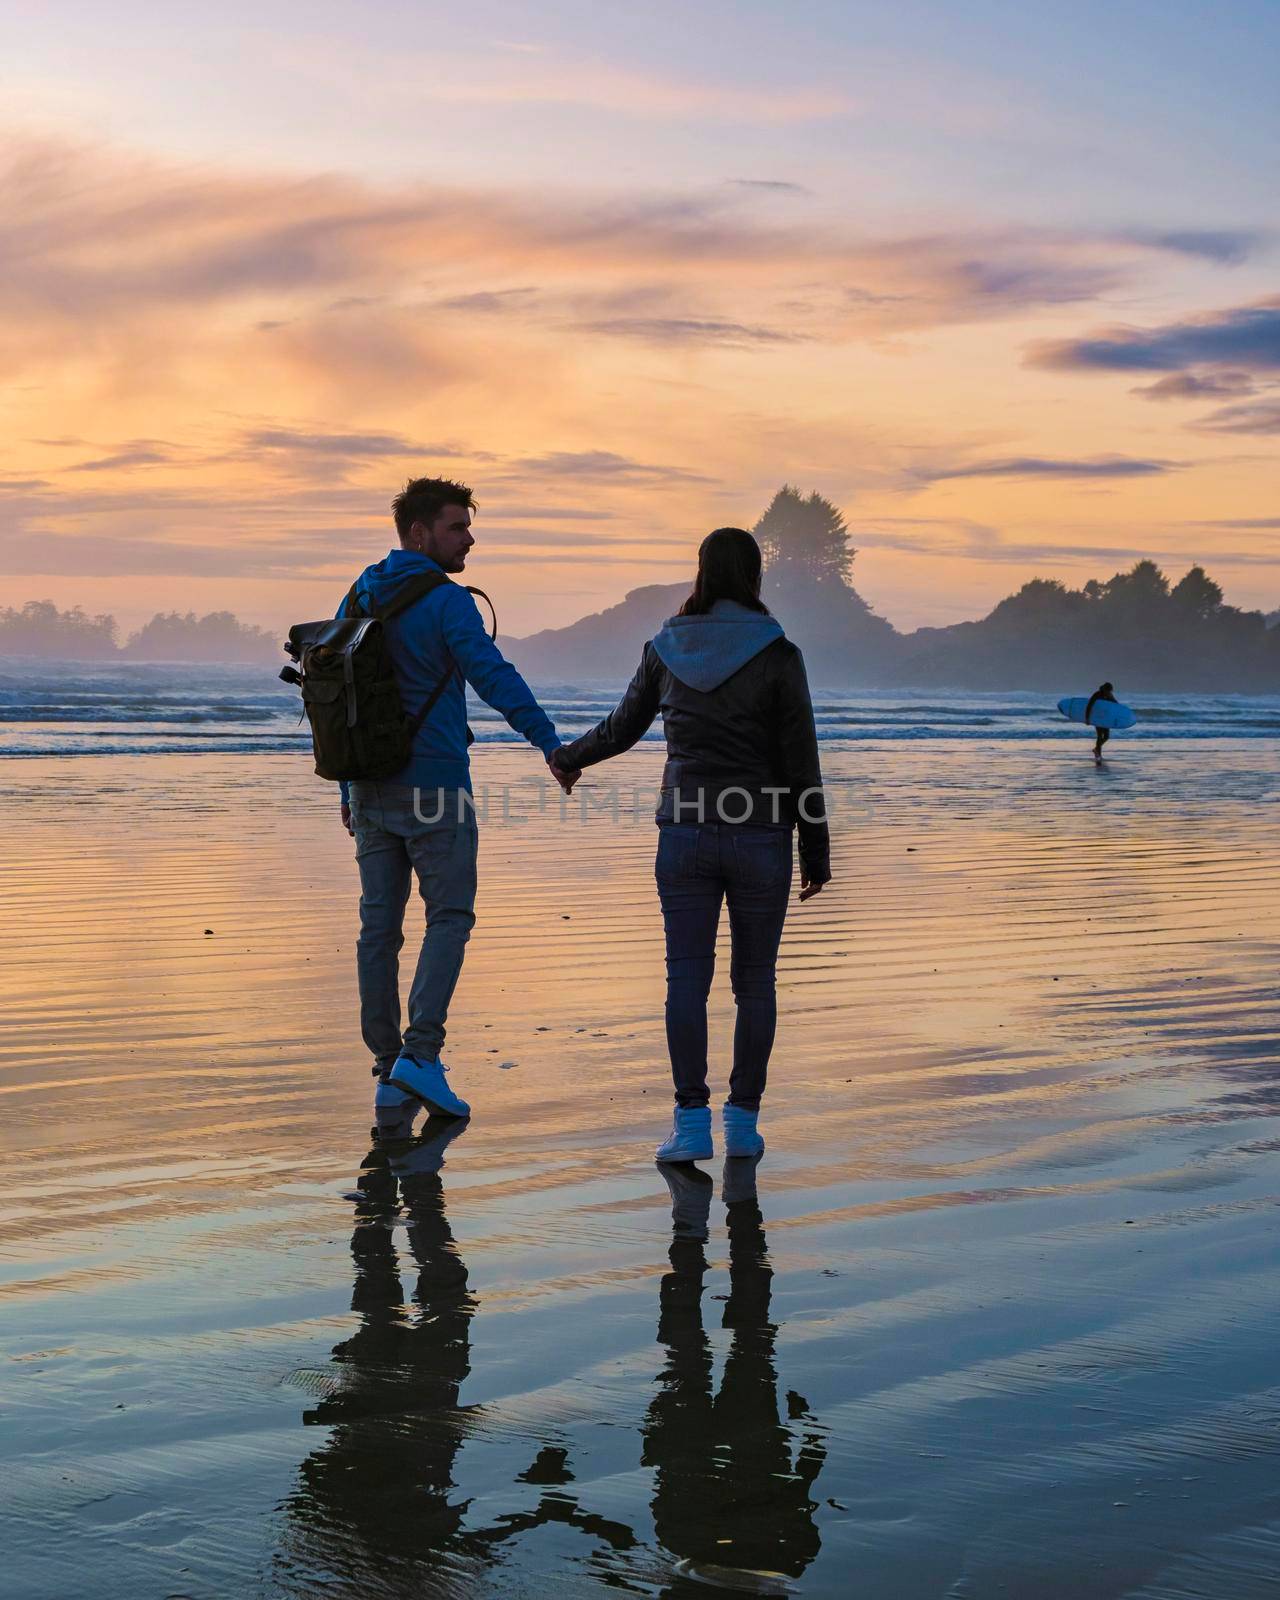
741 743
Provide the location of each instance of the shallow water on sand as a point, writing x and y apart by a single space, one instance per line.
995 1315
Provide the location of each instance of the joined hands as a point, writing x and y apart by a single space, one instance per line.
566 777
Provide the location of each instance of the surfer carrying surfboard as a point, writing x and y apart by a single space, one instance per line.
1106 692
1102 711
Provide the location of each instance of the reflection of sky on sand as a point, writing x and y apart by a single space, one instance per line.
1018 1200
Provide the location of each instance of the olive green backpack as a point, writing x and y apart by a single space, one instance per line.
349 691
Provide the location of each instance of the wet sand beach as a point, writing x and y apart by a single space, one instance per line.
995 1315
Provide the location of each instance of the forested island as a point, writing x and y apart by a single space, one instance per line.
39 630
1135 628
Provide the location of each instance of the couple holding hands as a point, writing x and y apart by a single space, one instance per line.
742 776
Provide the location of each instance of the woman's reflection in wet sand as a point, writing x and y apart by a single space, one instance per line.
732 1478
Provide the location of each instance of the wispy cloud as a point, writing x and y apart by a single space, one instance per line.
770 185
1050 467
982 543
1226 246
488 302
1240 522
351 446
1187 386
327 553
1254 416
688 331
140 455
602 465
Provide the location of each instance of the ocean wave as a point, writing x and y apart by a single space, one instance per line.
73 715
140 710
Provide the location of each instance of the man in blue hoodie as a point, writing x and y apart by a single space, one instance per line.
421 821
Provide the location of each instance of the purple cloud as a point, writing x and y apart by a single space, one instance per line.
1186 386
1227 246
124 458
1245 337
1253 416
488 302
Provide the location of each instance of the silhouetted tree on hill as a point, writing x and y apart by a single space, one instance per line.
1134 595
1197 595
808 567
805 540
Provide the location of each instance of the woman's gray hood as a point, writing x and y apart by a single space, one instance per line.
704 651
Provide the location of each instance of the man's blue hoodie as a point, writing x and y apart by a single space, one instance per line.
425 640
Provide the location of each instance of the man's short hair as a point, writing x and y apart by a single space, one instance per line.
423 499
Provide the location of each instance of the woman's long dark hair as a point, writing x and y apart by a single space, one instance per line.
729 568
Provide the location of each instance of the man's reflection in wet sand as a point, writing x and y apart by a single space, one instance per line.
732 1480
378 1506
379 1494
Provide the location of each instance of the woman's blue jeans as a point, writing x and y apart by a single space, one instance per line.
699 866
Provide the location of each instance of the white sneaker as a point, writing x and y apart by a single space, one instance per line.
741 1135
425 1080
690 1136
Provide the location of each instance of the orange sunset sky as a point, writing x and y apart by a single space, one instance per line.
1002 286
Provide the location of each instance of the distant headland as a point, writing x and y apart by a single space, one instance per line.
1135 628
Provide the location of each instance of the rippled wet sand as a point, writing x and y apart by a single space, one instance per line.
995 1316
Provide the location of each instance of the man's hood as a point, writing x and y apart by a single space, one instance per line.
383 578
705 651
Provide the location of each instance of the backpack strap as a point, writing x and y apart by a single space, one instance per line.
454 671
410 590
493 630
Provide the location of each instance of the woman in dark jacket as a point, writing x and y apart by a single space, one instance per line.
742 773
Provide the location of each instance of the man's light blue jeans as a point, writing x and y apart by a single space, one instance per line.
436 842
